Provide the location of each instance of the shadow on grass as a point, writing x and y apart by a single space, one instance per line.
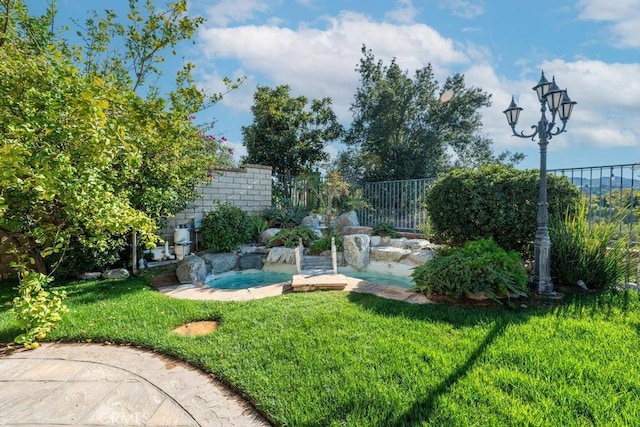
610 303
458 316
424 409
94 291
78 293
501 316
88 291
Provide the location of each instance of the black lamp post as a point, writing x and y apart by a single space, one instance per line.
559 104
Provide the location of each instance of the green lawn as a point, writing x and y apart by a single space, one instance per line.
337 359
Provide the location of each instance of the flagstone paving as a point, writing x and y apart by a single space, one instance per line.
99 385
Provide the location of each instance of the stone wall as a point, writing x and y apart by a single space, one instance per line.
248 188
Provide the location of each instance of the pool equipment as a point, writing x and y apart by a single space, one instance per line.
182 241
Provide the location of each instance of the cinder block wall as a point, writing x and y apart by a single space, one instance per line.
247 187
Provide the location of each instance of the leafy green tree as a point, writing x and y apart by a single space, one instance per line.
63 153
287 135
175 155
88 159
407 127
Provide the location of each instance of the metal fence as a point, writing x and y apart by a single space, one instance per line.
613 193
400 203
610 190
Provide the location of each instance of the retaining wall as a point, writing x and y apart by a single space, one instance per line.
247 187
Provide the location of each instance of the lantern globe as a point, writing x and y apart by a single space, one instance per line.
554 96
542 87
512 113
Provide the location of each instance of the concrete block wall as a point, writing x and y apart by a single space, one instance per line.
247 187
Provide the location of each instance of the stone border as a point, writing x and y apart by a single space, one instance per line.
204 292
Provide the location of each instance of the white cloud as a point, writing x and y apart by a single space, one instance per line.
224 12
320 62
607 114
463 8
623 16
405 13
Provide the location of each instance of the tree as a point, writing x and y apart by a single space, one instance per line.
407 127
175 155
63 153
88 159
285 135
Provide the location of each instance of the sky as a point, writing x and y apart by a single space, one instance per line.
591 47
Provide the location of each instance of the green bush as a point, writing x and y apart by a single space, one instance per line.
384 229
595 252
285 217
478 266
324 244
494 201
225 228
260 224
290 237
37 310
80 257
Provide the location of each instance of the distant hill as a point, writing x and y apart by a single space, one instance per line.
605 184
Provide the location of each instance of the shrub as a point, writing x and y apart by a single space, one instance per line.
324 244
290 237
592 252
479 266
494 201
285 217
37 310
225 228
83 256
260 224
384 229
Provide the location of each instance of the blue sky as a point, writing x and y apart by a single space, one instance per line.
592 47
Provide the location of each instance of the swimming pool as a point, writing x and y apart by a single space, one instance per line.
383 279
245 279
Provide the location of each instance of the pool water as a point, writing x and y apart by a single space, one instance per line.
383 279
246 279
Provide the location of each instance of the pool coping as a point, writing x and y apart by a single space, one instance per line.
170 286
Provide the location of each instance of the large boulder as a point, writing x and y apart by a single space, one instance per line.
356 250
116 273
250 261
219 263
419 244
420 257
389 254
400 242
357 230
313 221
376 240
347 219
192 269
282 255
267 234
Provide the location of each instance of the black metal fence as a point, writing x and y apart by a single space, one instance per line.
400 203
610 189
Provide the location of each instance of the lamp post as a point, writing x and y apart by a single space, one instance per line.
559 104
